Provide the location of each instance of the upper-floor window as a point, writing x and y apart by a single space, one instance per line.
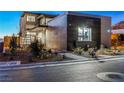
31 18
84 34
42 21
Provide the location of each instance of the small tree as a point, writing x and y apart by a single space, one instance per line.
36 48
13 45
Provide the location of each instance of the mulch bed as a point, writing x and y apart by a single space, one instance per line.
25 58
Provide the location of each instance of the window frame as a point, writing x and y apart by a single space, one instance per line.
31 18
82 31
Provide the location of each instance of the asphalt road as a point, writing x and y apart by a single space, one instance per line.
63 73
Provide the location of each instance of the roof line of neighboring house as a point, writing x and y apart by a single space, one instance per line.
118 31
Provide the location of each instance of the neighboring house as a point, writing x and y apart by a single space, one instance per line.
66 31
1 45
7 40
118 34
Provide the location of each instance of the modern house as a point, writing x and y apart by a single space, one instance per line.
66 31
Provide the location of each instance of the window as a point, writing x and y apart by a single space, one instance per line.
30 36
31 18
42 21
121 37
84 34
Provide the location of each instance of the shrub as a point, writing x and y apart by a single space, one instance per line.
114 42
36 48
50 51
102 46
30 59
13 45
44 53
102 50
107 51
78 51
86 47
90 51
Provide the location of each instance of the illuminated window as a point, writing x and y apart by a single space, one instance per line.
31 18
42 21
84 34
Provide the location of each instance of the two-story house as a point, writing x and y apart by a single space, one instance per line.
33 26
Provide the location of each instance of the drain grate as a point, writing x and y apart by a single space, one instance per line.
111 76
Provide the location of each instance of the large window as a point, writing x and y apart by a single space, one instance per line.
121 37
84 34
43 21
28 38
31 18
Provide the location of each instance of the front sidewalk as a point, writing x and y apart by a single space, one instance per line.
75 57
78 57
58 63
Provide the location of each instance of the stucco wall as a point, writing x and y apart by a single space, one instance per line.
56 34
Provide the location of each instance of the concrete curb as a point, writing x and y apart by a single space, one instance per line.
49 64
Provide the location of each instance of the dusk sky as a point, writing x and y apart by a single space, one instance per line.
9 20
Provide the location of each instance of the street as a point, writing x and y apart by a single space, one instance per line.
85 72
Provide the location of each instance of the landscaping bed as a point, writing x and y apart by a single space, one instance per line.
102 51
33 53
82 52
25 58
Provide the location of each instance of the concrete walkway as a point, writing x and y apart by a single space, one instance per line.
76 57
110 56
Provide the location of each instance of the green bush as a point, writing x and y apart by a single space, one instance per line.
13 45
102 46
36 48
107 51
90 51
78 51
45 53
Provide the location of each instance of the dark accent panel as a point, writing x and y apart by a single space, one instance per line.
74 22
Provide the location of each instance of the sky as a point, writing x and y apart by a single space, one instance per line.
9 20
